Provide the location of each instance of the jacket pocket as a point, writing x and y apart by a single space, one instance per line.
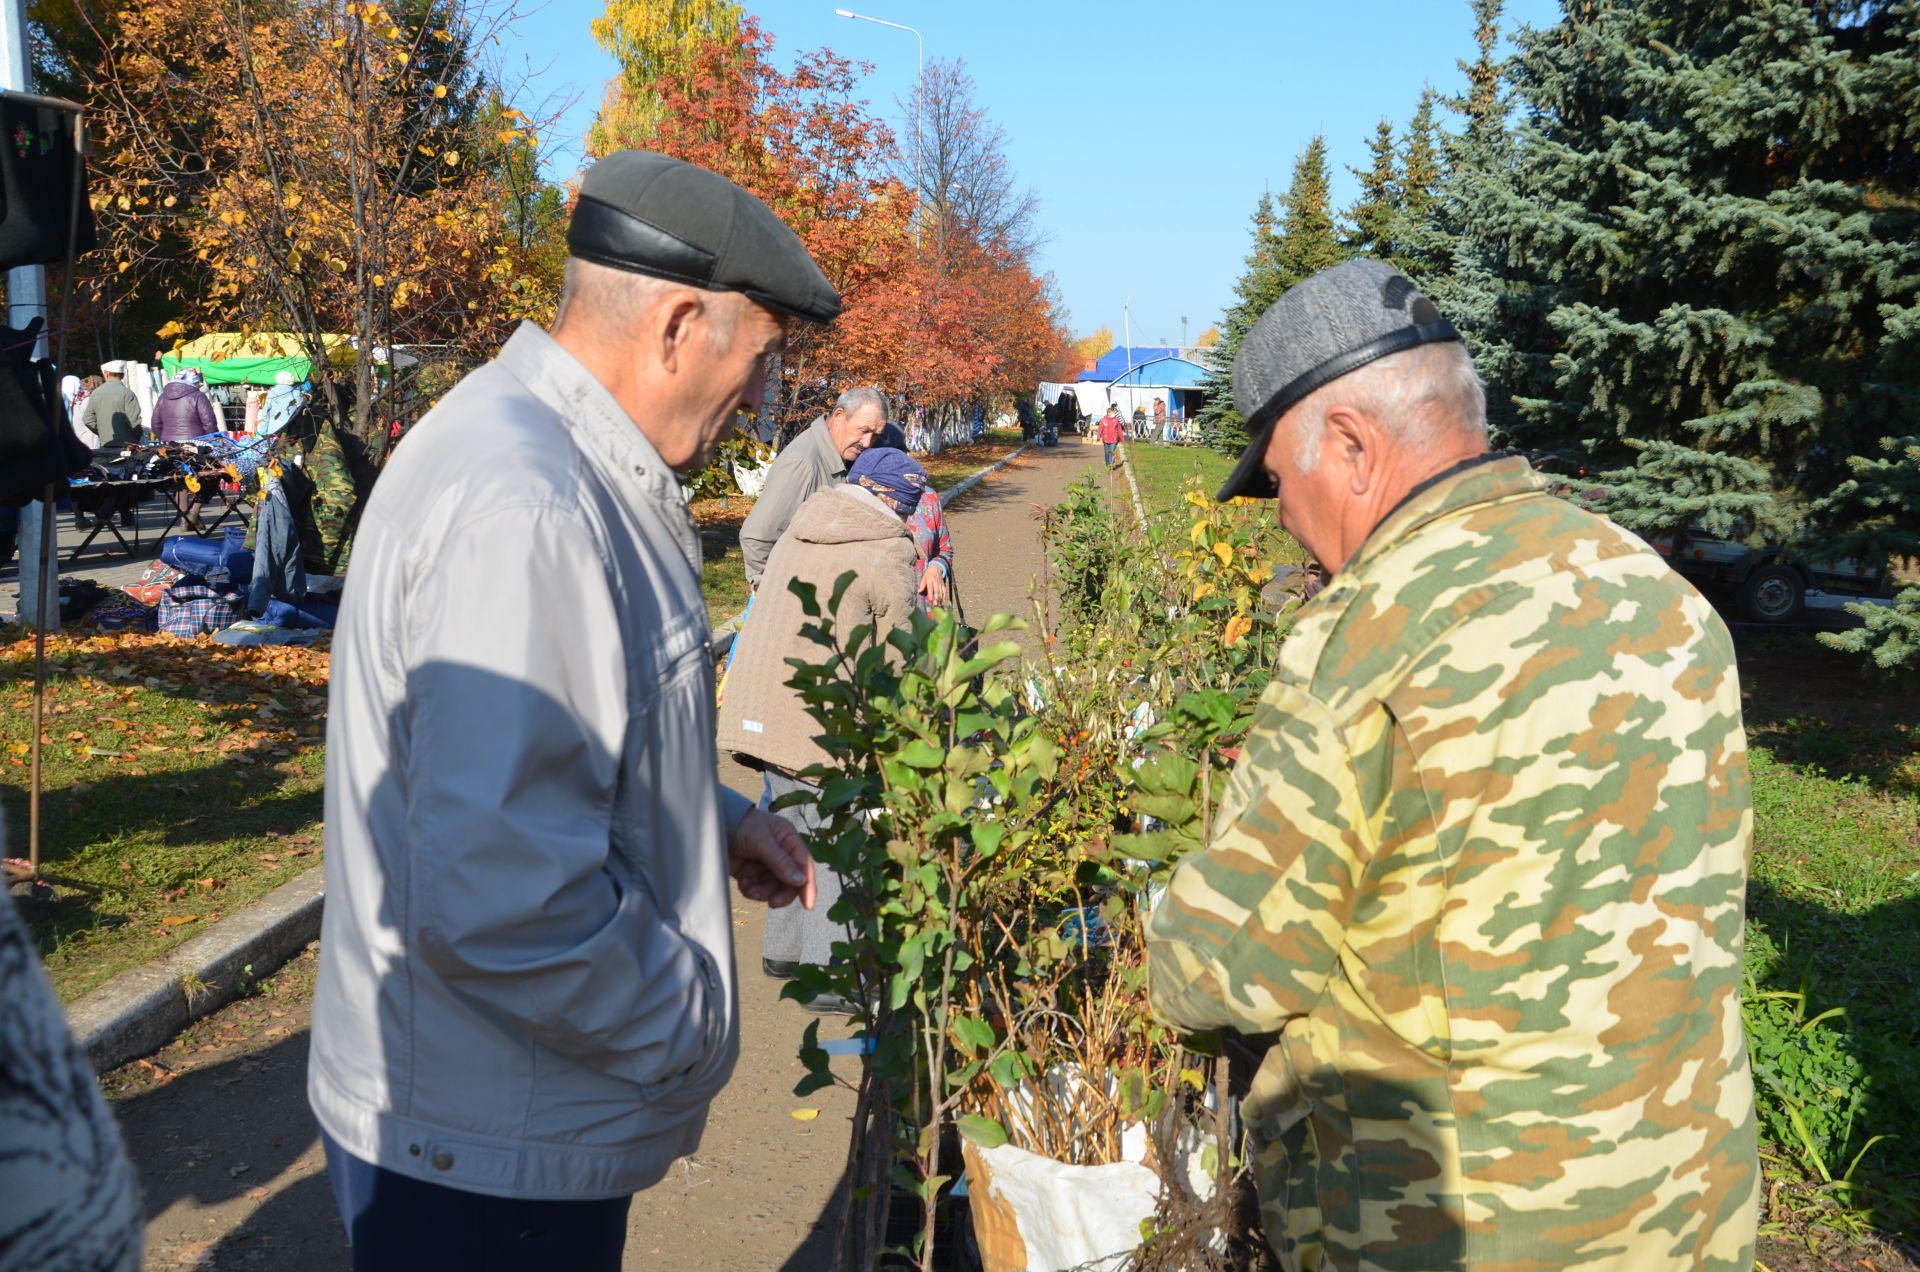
696 1084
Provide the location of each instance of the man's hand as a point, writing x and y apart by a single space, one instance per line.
769 861
933 584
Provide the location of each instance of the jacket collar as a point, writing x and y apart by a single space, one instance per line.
601 427
1482 479
822 437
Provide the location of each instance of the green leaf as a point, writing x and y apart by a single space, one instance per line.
983 1131
921 755
1158 845
809 598
973 1034
840 586
1008 1069
1167 773
1174 810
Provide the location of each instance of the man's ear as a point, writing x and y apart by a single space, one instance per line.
680 320
1353 442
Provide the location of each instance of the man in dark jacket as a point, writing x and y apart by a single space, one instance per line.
111 411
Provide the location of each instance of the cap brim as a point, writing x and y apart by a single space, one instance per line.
1249 479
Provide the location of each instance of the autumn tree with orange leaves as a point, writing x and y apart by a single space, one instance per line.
965 323
319 167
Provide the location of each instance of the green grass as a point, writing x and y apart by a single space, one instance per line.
1163 472
182 780
1834 916
957 463
723 579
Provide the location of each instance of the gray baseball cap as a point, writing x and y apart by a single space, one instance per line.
652 214
1320 329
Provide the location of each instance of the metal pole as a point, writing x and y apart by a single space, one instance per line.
26 285
26 300
918 85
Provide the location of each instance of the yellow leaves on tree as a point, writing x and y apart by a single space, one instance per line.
643 36
377 161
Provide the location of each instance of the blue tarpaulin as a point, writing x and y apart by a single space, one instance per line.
1114 362
1164 373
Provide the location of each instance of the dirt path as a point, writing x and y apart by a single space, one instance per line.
231 1168
996 535
228 1154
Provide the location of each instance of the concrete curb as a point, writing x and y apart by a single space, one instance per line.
965 484
1139 509
139 1011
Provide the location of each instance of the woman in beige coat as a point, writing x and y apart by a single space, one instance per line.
860 526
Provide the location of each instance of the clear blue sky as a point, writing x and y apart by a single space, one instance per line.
1148 130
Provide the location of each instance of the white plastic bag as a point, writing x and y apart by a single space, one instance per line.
1034 1214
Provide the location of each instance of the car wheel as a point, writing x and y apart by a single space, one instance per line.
1773 594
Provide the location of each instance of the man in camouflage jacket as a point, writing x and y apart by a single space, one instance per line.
1482 865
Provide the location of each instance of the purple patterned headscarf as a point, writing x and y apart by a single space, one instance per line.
891 474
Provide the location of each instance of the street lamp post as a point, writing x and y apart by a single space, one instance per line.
918 86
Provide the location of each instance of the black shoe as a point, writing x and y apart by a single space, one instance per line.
778 970
832 1005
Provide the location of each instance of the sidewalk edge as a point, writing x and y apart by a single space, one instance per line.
138 1011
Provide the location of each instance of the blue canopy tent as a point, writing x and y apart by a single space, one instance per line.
1138 377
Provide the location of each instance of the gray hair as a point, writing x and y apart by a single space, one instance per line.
620 298
859 397
1417 395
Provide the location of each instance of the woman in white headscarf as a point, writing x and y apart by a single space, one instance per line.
72 394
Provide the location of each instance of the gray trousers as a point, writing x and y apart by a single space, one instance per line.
795 934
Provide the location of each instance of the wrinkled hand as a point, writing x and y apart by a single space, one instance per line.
933 584
769 861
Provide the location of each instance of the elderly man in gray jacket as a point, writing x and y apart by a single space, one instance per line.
816 459
527 993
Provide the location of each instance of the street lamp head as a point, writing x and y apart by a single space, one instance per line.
846 13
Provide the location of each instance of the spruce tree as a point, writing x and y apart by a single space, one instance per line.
1422 150
1219 423
1375 219
1452 252
1309 238
1307 242
1707 236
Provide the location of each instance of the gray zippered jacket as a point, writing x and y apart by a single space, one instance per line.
526 964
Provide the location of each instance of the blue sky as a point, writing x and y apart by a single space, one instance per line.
1148 130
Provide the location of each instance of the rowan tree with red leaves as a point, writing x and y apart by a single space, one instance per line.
943 321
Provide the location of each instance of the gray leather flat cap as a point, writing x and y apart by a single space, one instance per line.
1319 330
652 214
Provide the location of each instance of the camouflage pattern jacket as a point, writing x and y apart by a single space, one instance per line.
1482 868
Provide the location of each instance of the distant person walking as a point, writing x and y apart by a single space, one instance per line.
860 527
1110 430
815 459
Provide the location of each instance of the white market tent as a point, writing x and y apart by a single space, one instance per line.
1137 377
